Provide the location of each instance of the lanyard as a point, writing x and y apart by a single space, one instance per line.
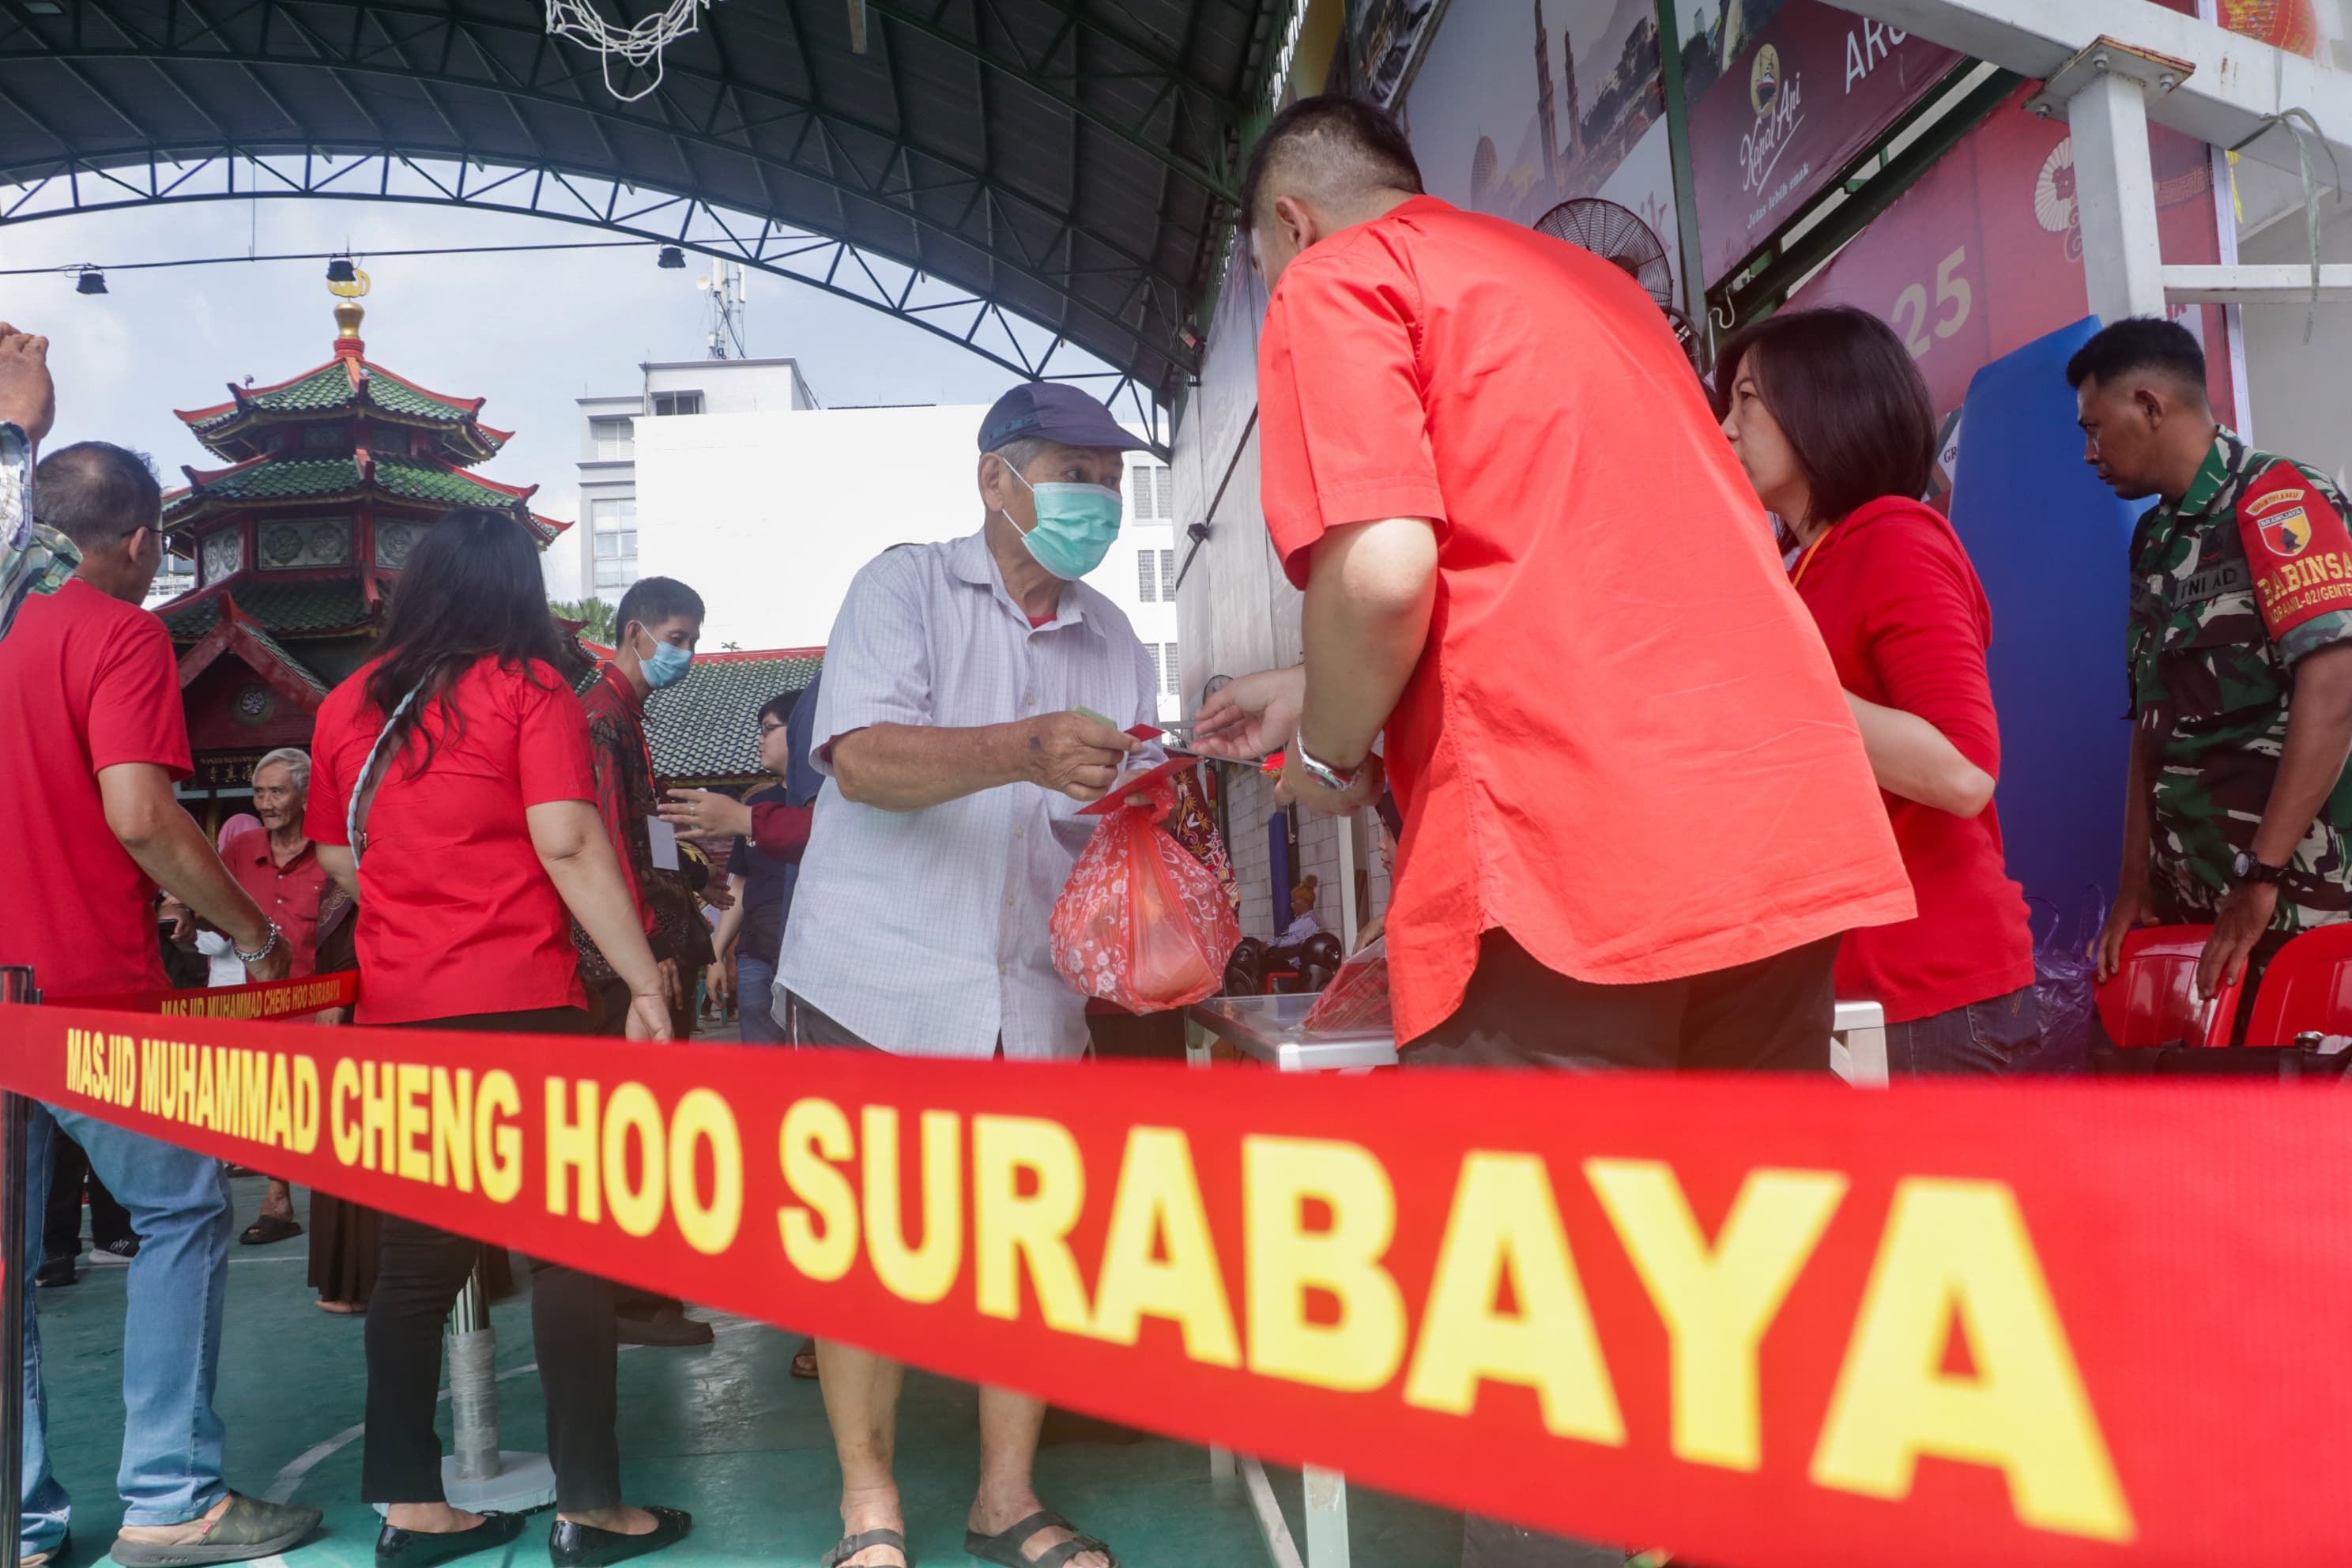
1796 577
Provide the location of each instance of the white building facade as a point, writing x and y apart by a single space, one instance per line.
726 475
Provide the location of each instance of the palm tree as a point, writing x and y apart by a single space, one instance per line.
594 616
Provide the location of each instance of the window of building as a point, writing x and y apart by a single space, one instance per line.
1169 669
1151 493
614 525
1146 576
612 437
1167 576
323 437
667 403
1151 652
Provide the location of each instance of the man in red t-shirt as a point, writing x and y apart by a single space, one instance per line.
1529 555
91 740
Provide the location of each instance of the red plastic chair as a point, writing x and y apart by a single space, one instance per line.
2307 986
2148 1001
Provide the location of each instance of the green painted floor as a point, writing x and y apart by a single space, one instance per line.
722 1430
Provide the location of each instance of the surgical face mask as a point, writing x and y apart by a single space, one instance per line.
1076 525
666 666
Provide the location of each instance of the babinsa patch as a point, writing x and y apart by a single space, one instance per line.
2288 531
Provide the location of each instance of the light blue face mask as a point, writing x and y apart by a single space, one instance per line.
1076 525
667 664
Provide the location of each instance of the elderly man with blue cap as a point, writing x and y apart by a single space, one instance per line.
972 698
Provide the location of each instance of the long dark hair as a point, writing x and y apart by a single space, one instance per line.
1848 397
471 590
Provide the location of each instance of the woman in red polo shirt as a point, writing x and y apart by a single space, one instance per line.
1837 432
478 845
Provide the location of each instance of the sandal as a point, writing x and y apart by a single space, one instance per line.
271 1229
1005 1546
851 1545
805 1357
342 1308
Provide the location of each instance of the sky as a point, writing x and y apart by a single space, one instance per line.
530 332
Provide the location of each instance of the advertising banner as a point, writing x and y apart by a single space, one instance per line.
1764 1320
1805 97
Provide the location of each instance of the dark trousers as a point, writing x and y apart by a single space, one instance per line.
1772 1015
1988 1037
611 999
420 1273
69 1174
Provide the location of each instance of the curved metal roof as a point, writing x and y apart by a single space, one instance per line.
1070 160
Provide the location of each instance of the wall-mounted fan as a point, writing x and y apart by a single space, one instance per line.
1617 236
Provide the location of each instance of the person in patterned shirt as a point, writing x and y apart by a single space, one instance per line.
34 557
2241 662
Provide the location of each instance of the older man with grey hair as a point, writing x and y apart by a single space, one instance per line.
282 872
975 696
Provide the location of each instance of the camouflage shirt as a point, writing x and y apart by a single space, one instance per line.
34 558
2232 585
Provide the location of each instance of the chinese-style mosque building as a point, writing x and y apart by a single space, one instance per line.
331 477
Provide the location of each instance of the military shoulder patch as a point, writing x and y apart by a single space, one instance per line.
2269 498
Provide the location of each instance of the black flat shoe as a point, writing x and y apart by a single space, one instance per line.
571 1545
397 1548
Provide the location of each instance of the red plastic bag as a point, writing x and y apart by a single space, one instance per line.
1356 1000
1142 921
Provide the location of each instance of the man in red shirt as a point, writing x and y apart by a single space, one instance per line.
281 871
91 740
1528 554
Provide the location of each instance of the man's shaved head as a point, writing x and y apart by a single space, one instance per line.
1333 149
1325 163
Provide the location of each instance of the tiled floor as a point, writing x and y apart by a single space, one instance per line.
722 1430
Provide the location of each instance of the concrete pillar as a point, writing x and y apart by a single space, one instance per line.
2115 189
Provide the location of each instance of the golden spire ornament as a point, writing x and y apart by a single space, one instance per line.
349 311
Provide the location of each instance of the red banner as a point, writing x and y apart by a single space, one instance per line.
1757 1321
1798 104
261 999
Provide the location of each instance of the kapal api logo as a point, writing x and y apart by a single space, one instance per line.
1780 109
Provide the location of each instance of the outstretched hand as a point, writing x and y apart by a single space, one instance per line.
28 398
1252 715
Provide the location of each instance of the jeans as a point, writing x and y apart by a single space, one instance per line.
755 1000
1982 1037
172 1440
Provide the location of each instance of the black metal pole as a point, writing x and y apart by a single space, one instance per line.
15 986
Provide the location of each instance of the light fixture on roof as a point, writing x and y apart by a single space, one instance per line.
340 270
91 281
671 257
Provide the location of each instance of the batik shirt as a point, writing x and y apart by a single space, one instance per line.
34 557
2232 586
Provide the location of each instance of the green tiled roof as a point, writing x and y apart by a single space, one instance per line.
300 670
282 608
329 386
336 479
709 726
284 479
399 397
413 478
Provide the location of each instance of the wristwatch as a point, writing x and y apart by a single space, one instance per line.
266 949
1340 780
2246 869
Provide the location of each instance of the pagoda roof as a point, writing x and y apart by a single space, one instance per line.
267 481
703 726
345 381
303 606
235 632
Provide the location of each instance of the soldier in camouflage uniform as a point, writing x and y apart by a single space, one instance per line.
2241 575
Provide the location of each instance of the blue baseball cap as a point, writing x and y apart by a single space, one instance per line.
1055 411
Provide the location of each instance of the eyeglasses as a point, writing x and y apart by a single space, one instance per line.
769 728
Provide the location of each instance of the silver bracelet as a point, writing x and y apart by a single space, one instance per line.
267 948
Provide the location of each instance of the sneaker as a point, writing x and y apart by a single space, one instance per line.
115 1253
55 1271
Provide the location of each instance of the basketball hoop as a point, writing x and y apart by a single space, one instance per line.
639 47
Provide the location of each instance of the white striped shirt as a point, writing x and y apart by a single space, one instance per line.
924 932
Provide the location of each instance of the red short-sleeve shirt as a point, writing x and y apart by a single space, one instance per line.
1624 743
1907 626
87 682
457 915
288 894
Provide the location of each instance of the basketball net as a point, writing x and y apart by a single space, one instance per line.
637 47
